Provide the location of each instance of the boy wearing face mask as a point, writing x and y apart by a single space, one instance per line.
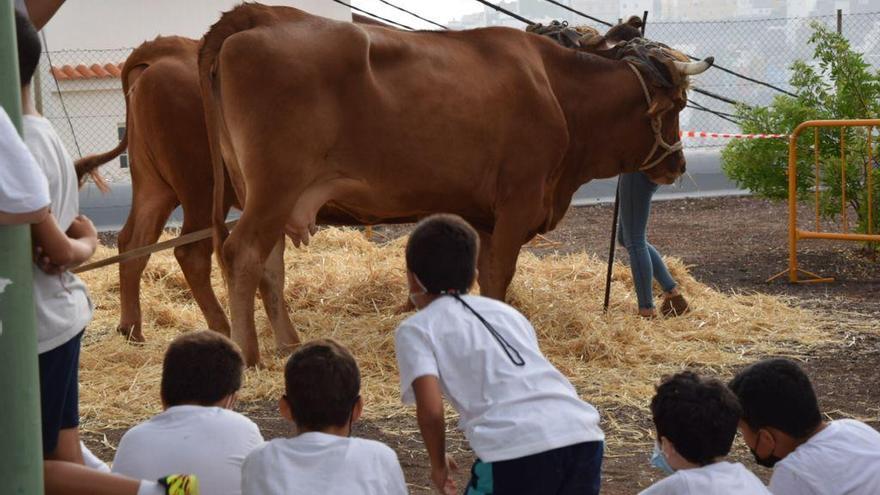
524 420
322 399
695 420
197 432
784 429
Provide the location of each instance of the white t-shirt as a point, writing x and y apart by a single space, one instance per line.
23 188
62 301
315 462
720 478
506 411
210 442
842 459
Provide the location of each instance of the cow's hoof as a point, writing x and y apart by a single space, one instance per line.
132 333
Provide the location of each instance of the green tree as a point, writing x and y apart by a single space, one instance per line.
837 84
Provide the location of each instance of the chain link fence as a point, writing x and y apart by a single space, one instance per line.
87 108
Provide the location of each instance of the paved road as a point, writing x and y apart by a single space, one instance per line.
704 169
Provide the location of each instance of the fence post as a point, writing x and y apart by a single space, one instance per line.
840 21
21 459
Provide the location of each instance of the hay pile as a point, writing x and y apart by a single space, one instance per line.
347 288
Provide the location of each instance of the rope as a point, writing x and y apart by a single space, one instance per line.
362 11
60 96
417 16
152 248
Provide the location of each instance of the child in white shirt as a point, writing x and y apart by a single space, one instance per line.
695 421
29 188
523 418
784 429
322 384
197 432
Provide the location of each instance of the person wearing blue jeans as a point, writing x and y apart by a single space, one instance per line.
636 191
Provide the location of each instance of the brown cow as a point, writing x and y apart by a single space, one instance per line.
168 150
171 166
496 125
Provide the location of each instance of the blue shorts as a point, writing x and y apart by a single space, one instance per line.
59 391
572 470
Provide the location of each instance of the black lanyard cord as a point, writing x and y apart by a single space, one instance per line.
513 354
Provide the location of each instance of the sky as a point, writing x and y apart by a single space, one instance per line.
441 11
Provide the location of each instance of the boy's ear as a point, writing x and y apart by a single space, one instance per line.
358 409
284 409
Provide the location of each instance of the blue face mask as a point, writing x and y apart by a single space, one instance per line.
658 460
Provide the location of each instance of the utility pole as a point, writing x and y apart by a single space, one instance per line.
21 457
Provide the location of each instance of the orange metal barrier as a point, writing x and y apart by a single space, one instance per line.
794 233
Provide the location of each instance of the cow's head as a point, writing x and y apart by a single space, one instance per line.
662 75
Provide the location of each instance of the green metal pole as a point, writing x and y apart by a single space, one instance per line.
21 456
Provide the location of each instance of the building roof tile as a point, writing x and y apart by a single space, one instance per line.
81 71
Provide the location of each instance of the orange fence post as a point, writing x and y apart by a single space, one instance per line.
869 171
843 177
818 182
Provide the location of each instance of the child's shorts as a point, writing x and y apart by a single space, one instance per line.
575 469
59 391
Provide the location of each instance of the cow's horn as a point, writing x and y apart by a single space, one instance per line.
694 68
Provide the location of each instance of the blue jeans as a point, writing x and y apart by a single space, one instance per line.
636 191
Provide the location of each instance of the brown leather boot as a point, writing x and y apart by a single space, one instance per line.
674 306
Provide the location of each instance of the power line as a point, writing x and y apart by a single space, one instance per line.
716 96
505 11
60 95
362 11
721 115
721 68
417 16
566 7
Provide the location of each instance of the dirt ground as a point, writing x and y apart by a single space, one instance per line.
732 244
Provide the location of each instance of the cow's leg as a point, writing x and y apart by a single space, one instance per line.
195 261
483 260
244 254
150 209
500 262
272 292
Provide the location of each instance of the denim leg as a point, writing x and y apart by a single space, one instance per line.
636 191
661 273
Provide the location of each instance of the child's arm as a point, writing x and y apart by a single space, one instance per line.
432 424
55 250
36 216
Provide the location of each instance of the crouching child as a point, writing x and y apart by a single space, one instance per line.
531 432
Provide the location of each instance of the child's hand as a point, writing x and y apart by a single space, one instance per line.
82 228
45 264
442 477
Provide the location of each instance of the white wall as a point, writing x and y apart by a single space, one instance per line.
103 24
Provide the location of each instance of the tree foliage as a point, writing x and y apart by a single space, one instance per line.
836 84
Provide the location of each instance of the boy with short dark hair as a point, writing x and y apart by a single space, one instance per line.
695 420
784 429
523 418
322 399
197 432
